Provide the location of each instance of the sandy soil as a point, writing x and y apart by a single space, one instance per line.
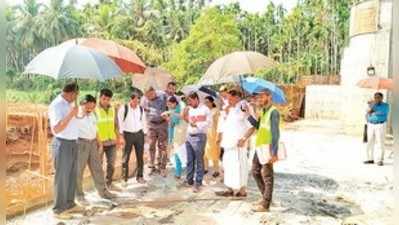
323 181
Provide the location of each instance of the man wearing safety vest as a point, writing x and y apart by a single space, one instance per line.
267 135
107 132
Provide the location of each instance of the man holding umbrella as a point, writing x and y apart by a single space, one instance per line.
267 140
64 126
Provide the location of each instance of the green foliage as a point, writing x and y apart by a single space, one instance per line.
213 35
183 36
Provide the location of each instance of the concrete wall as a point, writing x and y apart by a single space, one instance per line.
346 102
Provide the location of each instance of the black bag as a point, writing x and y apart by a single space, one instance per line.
365 139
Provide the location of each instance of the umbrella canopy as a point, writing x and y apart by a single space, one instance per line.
69 60
254 85
377 83
229 67
155 77
126 59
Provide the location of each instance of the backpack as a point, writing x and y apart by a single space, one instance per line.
127 110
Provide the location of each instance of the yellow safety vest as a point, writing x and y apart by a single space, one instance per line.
264 133
106 124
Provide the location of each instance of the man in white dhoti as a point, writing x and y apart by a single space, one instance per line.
233 127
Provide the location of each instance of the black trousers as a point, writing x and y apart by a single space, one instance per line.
137 140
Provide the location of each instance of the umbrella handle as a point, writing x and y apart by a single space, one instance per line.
241 86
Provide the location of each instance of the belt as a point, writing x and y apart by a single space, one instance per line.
63 139
128 132
196 134
88 140
380 122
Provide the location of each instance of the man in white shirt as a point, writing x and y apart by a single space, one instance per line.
88 154
235 160
64 126
199 118
131 120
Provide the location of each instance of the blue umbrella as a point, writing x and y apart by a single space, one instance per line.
254 85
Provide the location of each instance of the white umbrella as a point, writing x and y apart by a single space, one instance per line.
70 60
227 68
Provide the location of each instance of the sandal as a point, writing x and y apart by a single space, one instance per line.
225 193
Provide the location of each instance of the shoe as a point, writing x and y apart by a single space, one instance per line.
240 195
75 209
206 172
141 180
196 188
215 174
107 195
225 193
186 184
259 208
259 202
151 166
369 162
63 216
380 163
163 173
178 177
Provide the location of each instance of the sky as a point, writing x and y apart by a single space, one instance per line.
248 5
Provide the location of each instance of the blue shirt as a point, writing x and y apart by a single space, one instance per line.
58 110
380 114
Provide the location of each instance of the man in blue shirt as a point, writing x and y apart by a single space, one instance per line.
377 116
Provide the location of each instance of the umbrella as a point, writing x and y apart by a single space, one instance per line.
202 91
377 83
253 85
229 67
69 60
155 77
126 59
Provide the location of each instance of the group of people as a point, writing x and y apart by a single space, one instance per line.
188 130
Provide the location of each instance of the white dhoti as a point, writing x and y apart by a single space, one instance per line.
235 164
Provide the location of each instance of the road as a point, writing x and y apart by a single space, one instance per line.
323 181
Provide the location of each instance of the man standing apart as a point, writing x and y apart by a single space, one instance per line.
132 127
88 154
154 105
199 119
107 127
377 117
266 148
235 159
64 126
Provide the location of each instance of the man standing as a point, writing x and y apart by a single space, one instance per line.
199 119
235 159
107 132
132 127
266 148
377 117
64 126
88 154
154 105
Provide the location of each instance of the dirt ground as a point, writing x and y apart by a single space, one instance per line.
323 181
